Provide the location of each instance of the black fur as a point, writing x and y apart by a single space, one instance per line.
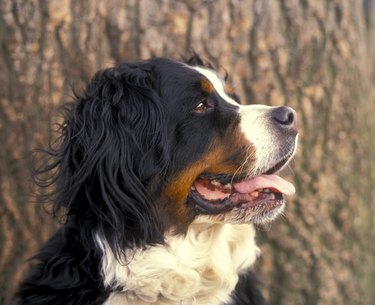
247 291
119 144
66 273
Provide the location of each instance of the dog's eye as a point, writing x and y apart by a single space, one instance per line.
203 106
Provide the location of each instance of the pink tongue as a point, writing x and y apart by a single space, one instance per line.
265 181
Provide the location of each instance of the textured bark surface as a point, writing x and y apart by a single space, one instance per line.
312 55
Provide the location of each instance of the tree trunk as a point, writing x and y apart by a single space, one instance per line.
311 55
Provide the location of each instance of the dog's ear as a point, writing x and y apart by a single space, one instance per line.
196 60
112 146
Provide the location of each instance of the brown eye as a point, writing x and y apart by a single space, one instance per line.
203 106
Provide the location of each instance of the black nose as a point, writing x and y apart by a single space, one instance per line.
285 118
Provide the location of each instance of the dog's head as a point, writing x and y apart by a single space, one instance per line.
158 144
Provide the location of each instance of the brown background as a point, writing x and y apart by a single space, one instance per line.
315 55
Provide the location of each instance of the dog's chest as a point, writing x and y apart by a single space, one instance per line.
199 268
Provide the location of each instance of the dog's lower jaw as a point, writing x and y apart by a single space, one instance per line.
201 267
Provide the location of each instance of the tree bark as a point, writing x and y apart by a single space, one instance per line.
311 55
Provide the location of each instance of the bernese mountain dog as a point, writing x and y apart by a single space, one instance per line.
160 174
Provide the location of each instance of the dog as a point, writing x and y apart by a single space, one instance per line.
160 174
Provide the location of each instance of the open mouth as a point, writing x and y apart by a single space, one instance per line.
214 194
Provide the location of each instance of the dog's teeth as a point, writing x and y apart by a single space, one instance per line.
193 188
254 194
228 186
266 190
215 183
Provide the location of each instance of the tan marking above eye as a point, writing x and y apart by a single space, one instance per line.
207 86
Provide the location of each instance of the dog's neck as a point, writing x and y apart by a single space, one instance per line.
201 267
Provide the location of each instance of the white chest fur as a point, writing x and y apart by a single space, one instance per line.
200 268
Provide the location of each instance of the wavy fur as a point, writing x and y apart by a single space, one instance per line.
121 144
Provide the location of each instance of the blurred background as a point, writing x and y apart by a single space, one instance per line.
317 56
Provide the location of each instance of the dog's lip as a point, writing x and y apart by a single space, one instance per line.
213 198
214 190
215 193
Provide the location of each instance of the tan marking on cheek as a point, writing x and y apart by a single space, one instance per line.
225 157
207 86
179 188
177 192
